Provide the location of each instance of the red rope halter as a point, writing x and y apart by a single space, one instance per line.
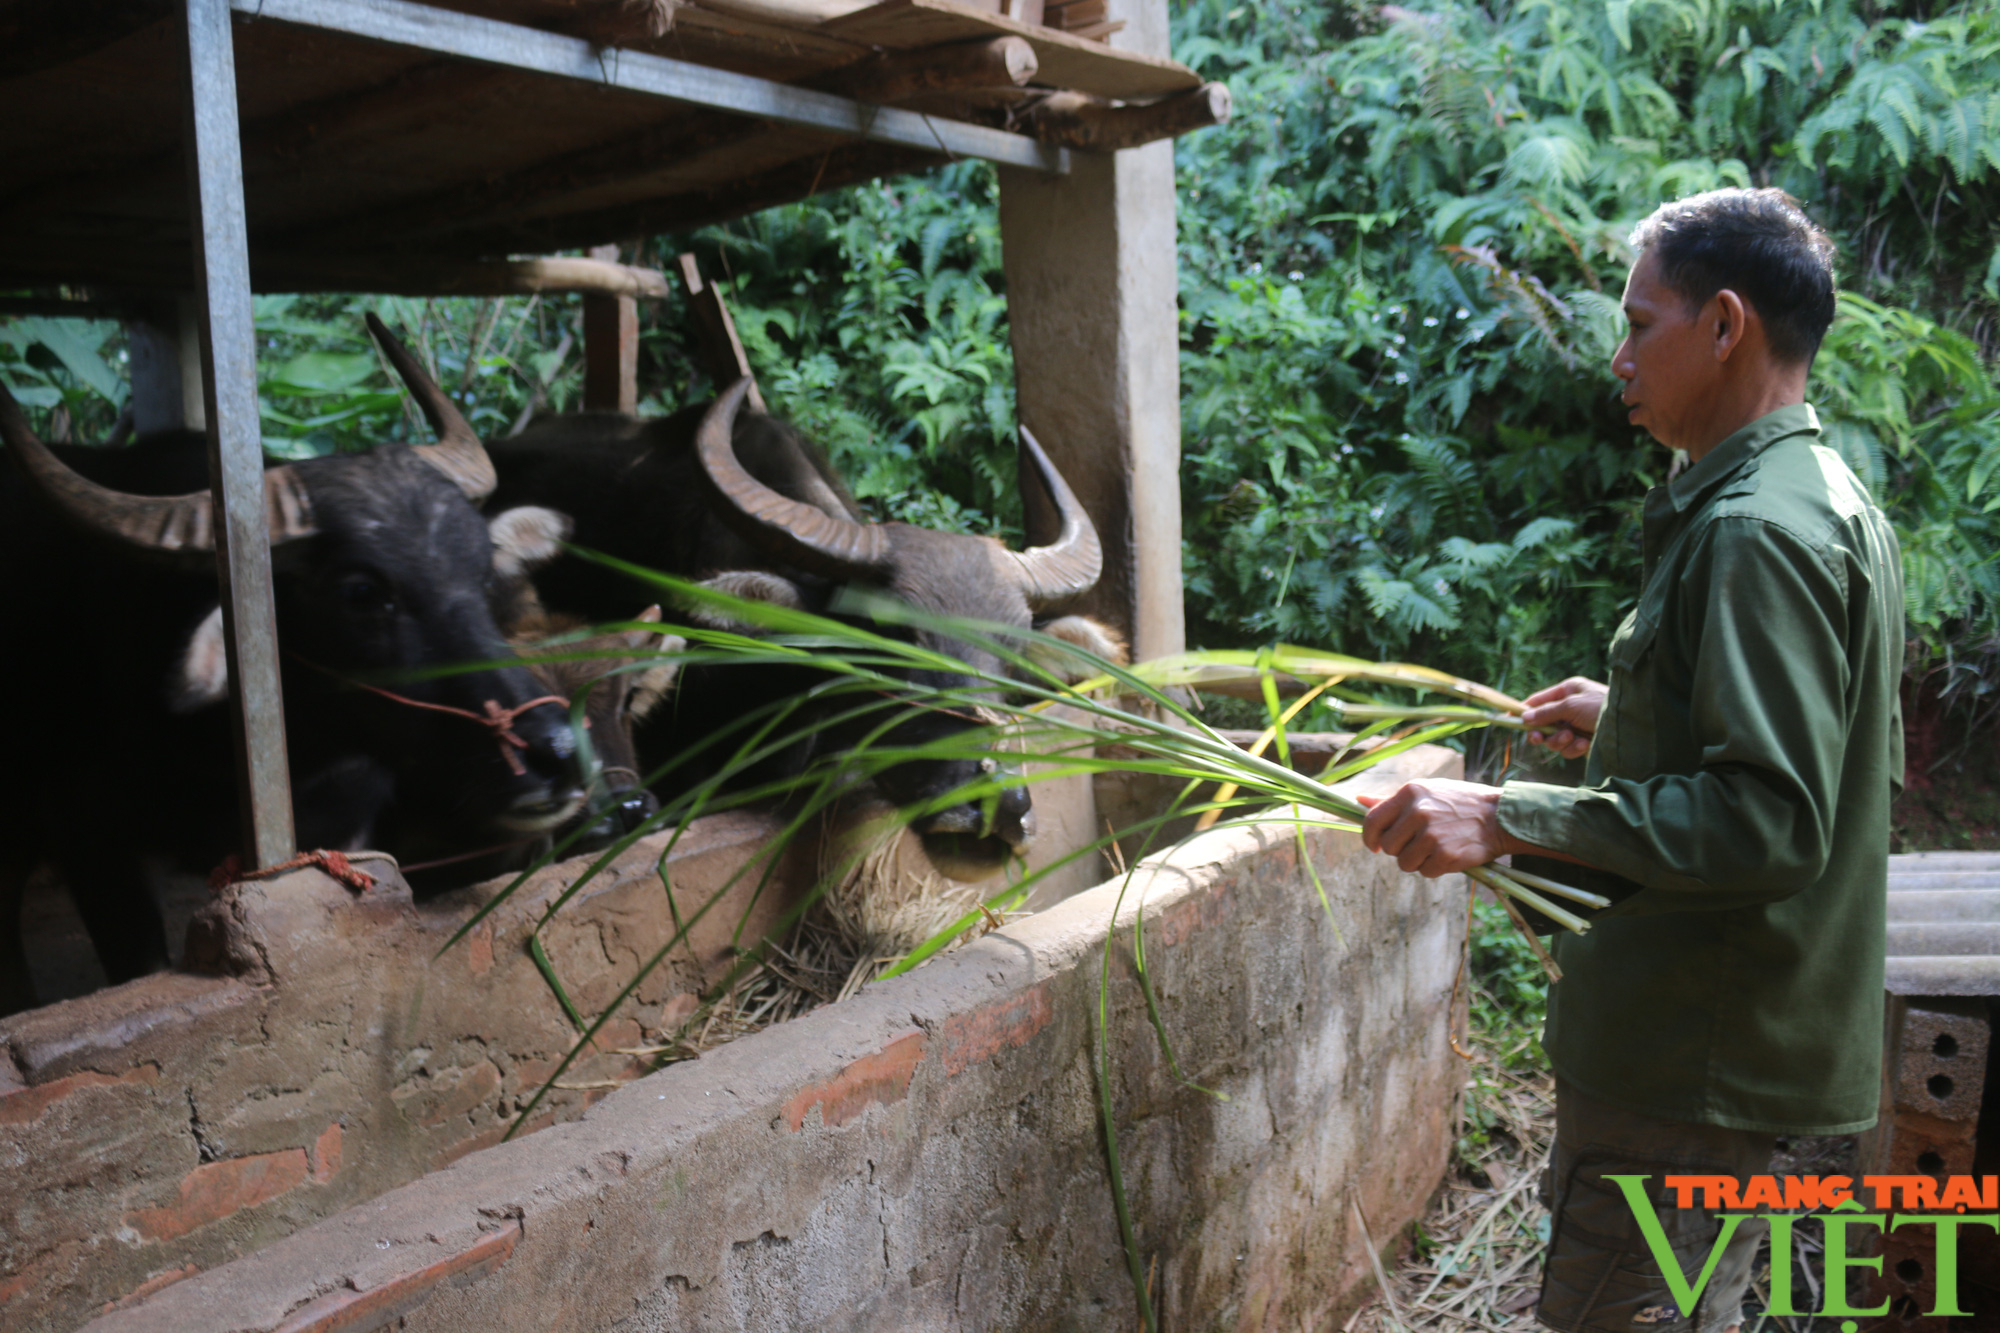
500 721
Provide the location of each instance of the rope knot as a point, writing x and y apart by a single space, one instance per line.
500 721
335 864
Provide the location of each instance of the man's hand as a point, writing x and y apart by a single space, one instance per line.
1564 717
1438 826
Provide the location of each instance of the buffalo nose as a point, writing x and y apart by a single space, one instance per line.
1012 820
1014 817
634 808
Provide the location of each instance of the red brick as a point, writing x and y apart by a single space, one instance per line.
986 1031
479 949
371 1309
874 1080
217 1190
488 1137
151 1285
450 1093
25 1106
617 1035
1200 912
326 1154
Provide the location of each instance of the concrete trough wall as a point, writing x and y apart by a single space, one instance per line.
927 1153
166 1126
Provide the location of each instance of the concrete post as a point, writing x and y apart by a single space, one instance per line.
1091 291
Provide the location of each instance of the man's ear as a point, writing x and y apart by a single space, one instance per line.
1732 323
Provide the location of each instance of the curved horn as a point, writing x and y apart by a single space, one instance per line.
1070 565
458 453
156 522
826 544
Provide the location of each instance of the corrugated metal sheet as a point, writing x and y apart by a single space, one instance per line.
1944 923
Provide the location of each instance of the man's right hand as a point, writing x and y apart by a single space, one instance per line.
1564 717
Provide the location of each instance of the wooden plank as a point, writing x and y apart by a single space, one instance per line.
431 29
721 348
47 36
668 210
1066 61
1099 126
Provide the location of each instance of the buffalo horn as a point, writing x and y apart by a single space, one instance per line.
826 544
1070 565
458 453
156 522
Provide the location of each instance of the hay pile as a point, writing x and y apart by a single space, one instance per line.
880 898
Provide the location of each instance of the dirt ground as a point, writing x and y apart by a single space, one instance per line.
1951 794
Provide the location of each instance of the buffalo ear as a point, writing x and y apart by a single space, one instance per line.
651 686
1092 636
642 640
201 677
752 585
525 538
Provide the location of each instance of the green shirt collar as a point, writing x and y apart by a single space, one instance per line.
1695 485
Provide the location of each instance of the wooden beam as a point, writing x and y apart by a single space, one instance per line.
678 143
897 76
35 37
684 209
722 349
1078 120
529 192
510 44
446 276
610 346
276 142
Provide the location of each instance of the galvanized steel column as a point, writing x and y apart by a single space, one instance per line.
235 445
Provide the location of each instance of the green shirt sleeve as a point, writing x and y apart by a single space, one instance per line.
1732 800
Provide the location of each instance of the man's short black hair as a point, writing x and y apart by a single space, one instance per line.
1758 244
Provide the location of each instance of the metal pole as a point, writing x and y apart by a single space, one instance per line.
235 443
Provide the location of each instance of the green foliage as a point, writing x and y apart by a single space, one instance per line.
875 319
1399 267
1510 990
67 372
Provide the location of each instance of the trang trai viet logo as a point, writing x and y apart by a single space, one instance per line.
1901 1203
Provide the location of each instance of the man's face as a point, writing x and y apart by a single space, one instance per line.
1668 359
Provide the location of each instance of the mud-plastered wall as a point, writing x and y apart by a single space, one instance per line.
928 1153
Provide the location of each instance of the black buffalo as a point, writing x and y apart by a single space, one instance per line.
119 760
748 505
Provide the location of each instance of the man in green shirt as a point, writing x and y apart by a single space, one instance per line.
1741 762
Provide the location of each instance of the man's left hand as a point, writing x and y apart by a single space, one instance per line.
1438 827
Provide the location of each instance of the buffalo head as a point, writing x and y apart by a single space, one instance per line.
950 575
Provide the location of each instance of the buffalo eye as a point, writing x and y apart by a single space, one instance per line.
365 593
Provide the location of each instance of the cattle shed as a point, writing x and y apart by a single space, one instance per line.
171 158
302 1127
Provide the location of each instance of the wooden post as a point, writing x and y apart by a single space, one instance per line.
1091 292
722 351
610 347
228 340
